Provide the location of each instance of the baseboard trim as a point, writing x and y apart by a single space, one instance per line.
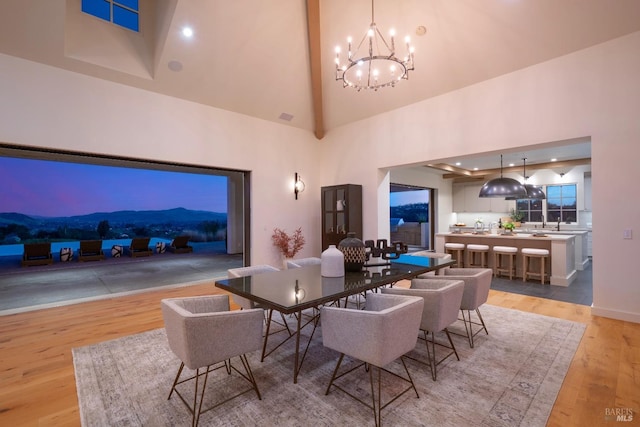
615 314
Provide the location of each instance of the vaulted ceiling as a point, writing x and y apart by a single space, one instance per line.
253 56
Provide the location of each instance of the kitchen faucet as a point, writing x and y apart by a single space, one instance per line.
543 223
558 223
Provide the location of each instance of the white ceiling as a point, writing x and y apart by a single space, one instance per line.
252 56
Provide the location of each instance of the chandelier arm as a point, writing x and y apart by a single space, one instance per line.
355 52
385 42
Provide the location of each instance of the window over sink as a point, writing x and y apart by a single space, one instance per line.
561 203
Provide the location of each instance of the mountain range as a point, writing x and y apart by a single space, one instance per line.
119 217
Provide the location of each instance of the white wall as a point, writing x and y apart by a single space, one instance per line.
591 93
42 106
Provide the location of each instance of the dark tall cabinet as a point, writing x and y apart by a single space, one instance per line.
341 213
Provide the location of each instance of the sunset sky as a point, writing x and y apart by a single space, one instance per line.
400 198
51 189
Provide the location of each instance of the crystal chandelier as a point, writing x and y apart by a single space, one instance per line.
378 65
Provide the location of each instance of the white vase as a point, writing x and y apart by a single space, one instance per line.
332 262
285 262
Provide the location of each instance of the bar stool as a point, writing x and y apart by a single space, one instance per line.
477 251
531 253
457 252
499 252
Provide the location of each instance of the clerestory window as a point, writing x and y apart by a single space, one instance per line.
124 13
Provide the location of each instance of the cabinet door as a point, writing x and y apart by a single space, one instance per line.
587 193
501 205
458 198
342 206
341 213
474 203
328 211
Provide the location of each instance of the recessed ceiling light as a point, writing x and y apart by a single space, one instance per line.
458 163
286 116
475 169
187 32
554 160
511 164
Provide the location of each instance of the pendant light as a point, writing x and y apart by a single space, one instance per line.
533 192
503 187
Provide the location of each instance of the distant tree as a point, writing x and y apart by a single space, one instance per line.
412 212
103 228
210 227
16 229
141 231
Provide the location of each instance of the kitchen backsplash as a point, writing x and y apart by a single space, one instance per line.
469 218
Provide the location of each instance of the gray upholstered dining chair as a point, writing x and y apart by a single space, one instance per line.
205 336
477 283
384 331
300 262
435 255
245 304
442 300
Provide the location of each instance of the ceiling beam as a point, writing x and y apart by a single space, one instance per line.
315 53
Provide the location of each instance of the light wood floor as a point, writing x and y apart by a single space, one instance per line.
37 385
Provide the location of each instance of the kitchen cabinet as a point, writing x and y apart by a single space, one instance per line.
458 198
472 202
465 199
499 204
341 213
587 192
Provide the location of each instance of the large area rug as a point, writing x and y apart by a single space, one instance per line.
510 378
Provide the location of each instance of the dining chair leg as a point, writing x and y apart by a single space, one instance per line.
376 400
173 387
446 331
250 377
196 414
266 335
335 371
431 353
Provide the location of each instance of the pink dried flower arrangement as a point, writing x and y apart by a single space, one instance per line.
289 246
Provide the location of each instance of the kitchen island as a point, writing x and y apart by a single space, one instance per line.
581 244
561 249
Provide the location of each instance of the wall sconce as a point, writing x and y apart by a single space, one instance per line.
298 185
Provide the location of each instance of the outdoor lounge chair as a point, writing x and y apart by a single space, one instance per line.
37 254
180 245
90 250
140 247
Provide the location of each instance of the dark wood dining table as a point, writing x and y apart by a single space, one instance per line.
295 290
